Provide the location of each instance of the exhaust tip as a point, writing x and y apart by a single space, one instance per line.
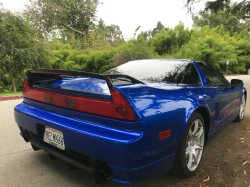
102 175
35 148
26 137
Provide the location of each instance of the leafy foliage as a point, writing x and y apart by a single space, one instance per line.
242 7
74 42
68 16
216 46
232 22
169 41
19 49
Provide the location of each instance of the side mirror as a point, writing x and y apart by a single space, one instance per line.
237 82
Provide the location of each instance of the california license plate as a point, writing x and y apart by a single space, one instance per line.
54 137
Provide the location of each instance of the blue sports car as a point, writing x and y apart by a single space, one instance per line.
137 120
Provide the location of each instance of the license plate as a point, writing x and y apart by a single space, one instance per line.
54 137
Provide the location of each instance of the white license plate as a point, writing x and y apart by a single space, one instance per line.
54 137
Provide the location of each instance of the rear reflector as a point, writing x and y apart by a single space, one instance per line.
122 111
164 134
47 98
118 108
71 103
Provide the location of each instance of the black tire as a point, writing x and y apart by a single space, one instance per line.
180 168
239 118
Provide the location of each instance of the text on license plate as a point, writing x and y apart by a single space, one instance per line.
54 137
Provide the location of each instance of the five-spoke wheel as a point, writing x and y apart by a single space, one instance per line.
195 142
242 109
189 155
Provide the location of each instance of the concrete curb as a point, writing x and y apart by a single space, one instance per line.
11 97
235 75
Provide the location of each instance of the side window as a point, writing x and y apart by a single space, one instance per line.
214 77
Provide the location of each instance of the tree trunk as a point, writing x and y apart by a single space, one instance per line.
72 29
12 80
88 20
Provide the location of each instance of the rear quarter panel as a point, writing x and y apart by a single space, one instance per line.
163 107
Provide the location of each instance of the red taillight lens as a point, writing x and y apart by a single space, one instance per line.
118 108
122 108
25 86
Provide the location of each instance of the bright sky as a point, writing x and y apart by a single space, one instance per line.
129 14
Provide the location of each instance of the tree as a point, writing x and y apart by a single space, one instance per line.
19 49
242 8
169 41
77 16
216 46
157 29
114 35
111 33
230 21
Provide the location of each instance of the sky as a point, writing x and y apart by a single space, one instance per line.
129 14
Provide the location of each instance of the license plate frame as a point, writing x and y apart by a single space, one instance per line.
54 137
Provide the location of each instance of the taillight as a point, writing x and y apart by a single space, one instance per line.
118 108
25 86
122 108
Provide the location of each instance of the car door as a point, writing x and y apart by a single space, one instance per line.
229 97
229 104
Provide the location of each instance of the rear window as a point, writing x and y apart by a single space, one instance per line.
168 71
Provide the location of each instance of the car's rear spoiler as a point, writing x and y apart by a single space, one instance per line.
107 77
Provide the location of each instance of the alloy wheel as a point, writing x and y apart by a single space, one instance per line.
242 107
194 144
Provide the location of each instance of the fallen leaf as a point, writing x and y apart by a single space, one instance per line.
245 172
206 179
218 168
242 141
245 163
241 138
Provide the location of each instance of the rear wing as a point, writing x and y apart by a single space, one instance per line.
111 79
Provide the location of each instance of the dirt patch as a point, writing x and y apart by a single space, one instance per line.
226 160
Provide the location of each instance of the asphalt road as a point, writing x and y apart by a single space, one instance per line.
21 166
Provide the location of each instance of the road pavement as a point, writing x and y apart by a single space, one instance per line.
21 166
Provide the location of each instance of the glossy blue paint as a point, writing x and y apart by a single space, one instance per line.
133 150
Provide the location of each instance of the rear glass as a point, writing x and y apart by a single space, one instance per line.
169 71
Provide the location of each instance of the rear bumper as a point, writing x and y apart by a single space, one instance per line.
126 152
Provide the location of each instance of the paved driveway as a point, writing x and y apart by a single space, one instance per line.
21 166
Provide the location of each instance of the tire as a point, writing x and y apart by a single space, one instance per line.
241 114
189 154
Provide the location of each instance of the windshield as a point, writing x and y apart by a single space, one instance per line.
169 71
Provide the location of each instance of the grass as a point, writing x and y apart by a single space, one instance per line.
10 94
